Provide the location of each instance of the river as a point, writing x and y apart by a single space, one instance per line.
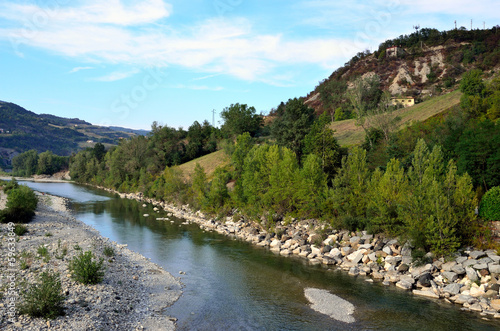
232 285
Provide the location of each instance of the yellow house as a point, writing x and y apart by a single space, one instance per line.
405 101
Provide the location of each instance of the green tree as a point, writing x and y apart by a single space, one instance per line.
350 188
321 141
439 212
387 192
332 93
493 90
472 83
45 163
25 164
364 97
239 118
283 174
243 145
217 195
199 187
292 124
490 205
99 151
478 151
311 188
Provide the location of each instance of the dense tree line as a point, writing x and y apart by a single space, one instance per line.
135 162
31 163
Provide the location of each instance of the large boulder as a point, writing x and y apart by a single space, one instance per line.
450 276
448 265
458 269
420 270
452 288
494 268
469 263
471 274
477 254
424 279
495 304
356 256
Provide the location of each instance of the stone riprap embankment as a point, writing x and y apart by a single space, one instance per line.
132 295
471 278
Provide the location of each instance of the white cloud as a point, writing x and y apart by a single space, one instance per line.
118 34
117 75
76 69
93 12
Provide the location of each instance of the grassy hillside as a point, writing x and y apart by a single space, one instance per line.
209 162
348 133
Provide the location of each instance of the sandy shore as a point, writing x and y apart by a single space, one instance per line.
132 295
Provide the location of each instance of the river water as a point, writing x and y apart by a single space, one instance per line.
232 285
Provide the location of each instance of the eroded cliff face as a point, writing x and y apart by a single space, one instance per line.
407 74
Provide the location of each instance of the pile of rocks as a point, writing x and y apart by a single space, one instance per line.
470 278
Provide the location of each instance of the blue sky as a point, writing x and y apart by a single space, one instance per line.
129 63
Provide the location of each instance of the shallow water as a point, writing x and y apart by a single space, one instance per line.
232 285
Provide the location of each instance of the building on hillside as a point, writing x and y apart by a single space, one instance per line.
405 101
394 51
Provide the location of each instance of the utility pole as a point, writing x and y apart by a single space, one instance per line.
213 118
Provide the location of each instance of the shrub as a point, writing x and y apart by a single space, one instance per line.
12 184
490 205
108 251
21 205
85 269
22 198
20 229
45 298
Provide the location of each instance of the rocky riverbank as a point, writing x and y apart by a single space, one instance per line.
132 295
470 278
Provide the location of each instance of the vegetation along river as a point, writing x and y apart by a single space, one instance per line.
232 285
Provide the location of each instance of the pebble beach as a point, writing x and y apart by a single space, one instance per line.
132 295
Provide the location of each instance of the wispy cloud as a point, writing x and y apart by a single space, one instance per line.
76 69
144 33
117 75
228 46
205 77
196 87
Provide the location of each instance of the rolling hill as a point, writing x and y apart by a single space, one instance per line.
22 130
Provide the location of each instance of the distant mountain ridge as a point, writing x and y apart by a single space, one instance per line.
22 130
